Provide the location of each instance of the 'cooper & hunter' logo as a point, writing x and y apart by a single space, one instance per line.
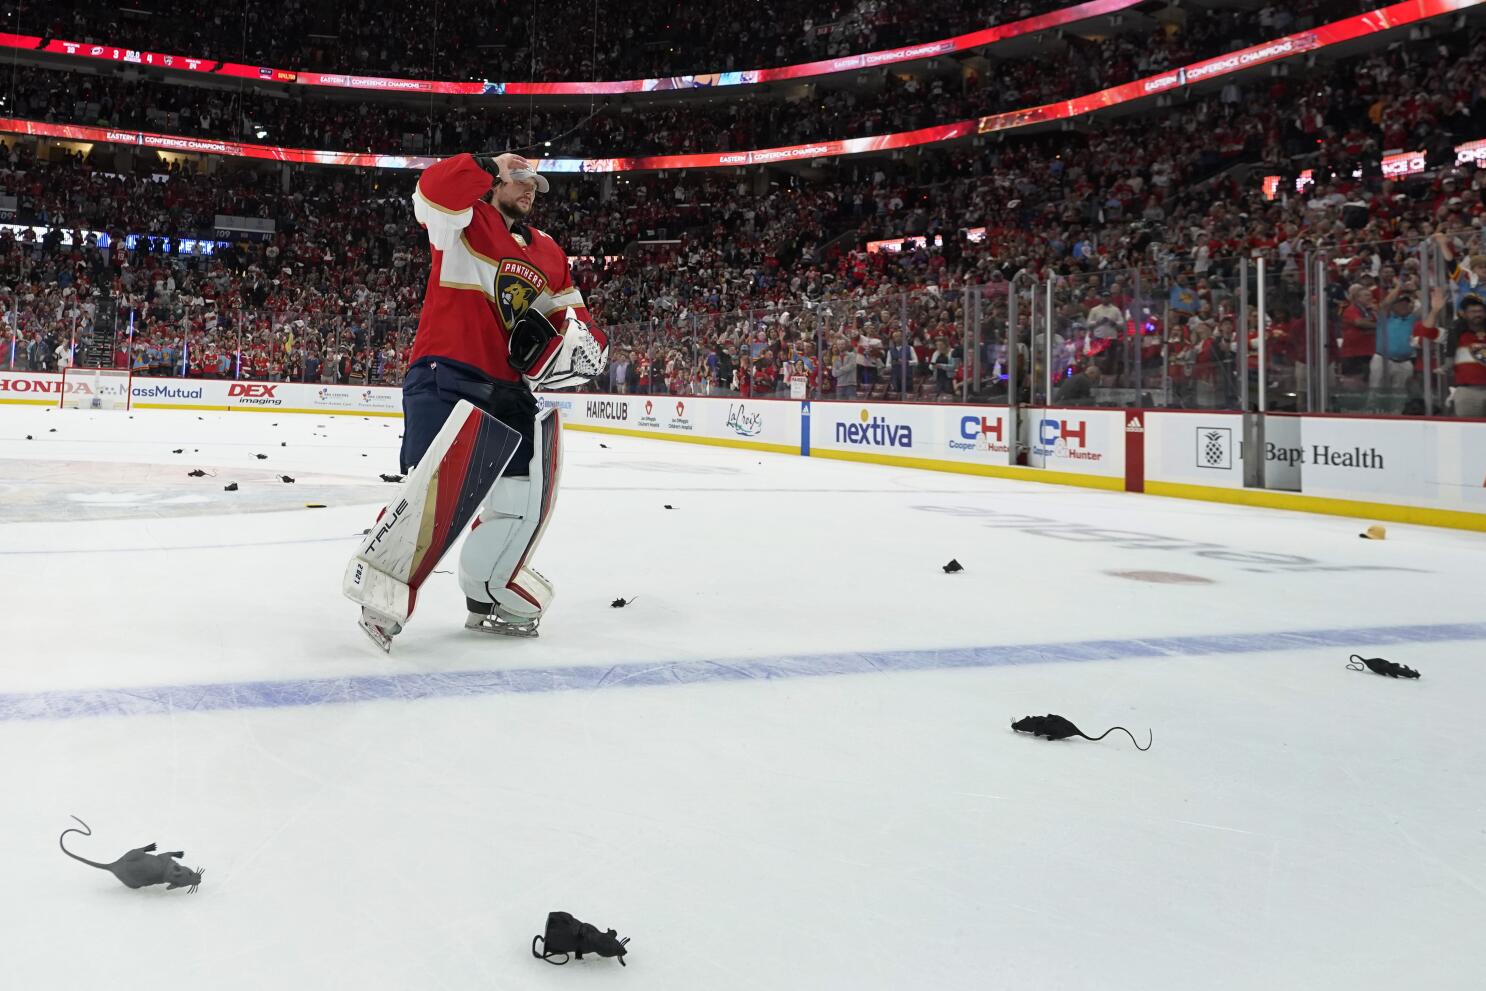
517 286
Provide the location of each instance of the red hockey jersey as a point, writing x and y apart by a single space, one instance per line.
484 276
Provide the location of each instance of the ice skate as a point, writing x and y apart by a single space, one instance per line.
487 617
381 629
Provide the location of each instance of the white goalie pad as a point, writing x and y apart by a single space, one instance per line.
429 512
580 358
494 565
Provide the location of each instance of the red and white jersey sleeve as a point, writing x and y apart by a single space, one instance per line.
445 198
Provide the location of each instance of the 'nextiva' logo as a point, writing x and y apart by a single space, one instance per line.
607 410
979 433
874 431
254 394
1056 439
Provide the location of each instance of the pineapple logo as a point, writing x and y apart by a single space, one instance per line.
1214 447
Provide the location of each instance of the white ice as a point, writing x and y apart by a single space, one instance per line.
1296 825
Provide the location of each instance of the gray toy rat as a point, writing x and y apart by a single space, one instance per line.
140 868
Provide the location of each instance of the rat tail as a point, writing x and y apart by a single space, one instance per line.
1131 735
85 831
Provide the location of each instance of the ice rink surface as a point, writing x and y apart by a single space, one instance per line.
787 764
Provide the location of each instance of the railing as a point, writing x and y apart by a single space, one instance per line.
1375 328
199 341
1309 332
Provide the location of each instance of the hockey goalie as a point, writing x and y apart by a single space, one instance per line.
501 318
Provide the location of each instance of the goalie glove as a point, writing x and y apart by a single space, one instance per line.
562 360
534 343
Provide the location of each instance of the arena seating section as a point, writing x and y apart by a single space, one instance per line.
725 281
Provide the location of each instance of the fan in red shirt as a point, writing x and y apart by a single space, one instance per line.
1359 324
1466 344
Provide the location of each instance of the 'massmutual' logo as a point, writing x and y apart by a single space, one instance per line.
166 392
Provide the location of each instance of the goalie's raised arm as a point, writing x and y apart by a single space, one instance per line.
445 197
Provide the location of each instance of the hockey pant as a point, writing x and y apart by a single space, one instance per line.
455 474
494 566
432 387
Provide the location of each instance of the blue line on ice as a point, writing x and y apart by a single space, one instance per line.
165 699
181 547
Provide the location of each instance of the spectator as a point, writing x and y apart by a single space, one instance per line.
844 371
1392 366
901 364
619 373
1358 337
942 365
1078 389
1466 342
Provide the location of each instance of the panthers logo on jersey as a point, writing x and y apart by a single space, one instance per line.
517 286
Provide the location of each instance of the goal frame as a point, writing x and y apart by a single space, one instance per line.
75 373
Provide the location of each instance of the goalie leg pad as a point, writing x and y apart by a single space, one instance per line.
494 564
429 512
